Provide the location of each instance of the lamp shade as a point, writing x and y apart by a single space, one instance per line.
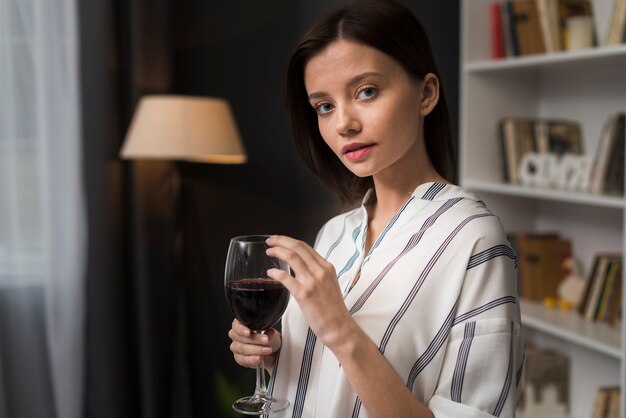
184 128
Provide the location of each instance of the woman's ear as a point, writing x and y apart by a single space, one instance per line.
430 94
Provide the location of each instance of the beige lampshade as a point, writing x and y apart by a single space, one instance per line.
184 128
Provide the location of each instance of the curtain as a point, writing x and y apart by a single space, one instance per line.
42 224
132 316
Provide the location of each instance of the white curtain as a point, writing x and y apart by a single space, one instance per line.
42 220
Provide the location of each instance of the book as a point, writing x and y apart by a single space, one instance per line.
548 23
527 27
558 136
617 28
519 136
596 281
497 38
613 182
540 264
615 302
606 404
607 289
608 161
601 404
512 32
553 10
507 37
614 402
597 284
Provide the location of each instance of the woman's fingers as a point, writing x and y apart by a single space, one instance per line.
248 347
303 259
295 260
307 254
240 329
275 339
247 361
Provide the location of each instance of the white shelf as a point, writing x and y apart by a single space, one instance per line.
570 327
591 56
590 199
584 85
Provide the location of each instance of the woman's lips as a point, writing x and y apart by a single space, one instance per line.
356 151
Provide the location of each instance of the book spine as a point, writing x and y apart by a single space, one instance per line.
602 155
497 41
512 28
545 22
617 27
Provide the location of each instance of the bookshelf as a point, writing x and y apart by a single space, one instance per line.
584 85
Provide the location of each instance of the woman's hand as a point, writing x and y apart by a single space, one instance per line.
315 288
248 347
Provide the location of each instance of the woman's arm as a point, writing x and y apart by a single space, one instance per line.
317 292
373 379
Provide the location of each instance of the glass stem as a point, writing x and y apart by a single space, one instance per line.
261 388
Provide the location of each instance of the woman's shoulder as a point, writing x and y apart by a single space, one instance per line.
472 215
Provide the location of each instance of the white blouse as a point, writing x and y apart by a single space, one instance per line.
437 294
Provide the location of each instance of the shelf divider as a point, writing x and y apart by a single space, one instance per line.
617 202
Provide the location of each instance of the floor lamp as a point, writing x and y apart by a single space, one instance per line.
183 129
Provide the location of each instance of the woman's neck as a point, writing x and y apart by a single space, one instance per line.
391 196
388 202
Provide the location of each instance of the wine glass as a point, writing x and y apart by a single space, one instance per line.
258 302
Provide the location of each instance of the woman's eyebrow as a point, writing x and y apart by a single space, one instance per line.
358 78
354 80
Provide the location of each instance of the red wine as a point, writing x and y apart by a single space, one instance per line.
257 303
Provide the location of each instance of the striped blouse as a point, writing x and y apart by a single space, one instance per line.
437 294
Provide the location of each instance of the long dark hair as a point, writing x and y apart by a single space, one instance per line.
394 30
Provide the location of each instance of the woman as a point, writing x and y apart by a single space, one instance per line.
407 306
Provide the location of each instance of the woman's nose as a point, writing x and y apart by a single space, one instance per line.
348 122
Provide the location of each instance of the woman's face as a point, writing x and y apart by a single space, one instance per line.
370 111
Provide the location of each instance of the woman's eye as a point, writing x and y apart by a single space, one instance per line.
367 92
323 108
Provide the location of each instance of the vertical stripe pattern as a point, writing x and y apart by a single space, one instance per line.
461 362
507 380
305 371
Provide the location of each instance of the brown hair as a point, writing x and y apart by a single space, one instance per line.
394 30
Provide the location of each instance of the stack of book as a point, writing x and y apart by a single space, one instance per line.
518 136
524 27
521 135
540 260
602 300
607 403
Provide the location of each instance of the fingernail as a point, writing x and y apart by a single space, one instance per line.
267 350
